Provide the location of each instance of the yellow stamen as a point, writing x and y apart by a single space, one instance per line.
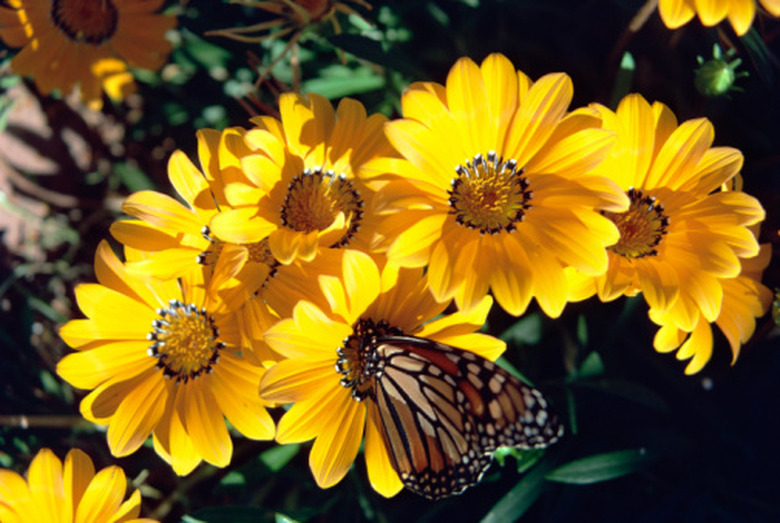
314 200
185 341
642 226
489 195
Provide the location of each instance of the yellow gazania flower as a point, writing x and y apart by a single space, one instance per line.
63 493
744 300
162 357
86 42
293 180
178 241
681 236
740 13
494 190
324 409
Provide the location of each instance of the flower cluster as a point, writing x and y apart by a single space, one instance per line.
299 234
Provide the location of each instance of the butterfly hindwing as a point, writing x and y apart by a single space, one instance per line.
442 411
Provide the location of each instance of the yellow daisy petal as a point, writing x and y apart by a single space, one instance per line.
675 13
235 386
383 478
90 368
337 445
772 6
548 270
162 211
77 474
171 441
544 105
698 347
472 271
241 226
407 247
205 425
675 163
466 98
711 11
103 495
316 329
46 486
511 286
501 85
130 509
307 418
137 415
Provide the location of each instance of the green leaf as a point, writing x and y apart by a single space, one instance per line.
582 331
511 369
602 467
525 331
50 384
277 457
514 504
571 403
760 56
231 514
623 79
628 390
133 178
375 52
592 366
204 52
233 478
525 459
337 81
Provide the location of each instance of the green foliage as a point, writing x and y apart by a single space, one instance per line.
601 467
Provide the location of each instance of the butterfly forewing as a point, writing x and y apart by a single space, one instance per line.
442 412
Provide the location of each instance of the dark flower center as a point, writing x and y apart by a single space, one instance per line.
358 359
642 226
186 341
314 199
489 195
90 21
259 252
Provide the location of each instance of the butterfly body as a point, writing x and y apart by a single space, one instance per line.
442 411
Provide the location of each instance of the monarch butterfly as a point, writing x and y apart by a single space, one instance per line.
442 411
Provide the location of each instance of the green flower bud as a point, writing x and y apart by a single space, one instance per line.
716 77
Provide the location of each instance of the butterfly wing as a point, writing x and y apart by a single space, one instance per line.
443 411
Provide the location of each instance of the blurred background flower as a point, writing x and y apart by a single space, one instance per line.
86 43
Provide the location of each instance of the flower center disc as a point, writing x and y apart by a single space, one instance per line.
642 226
489 195
91 21
315 198
358 359
259 252
185 341
316 9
